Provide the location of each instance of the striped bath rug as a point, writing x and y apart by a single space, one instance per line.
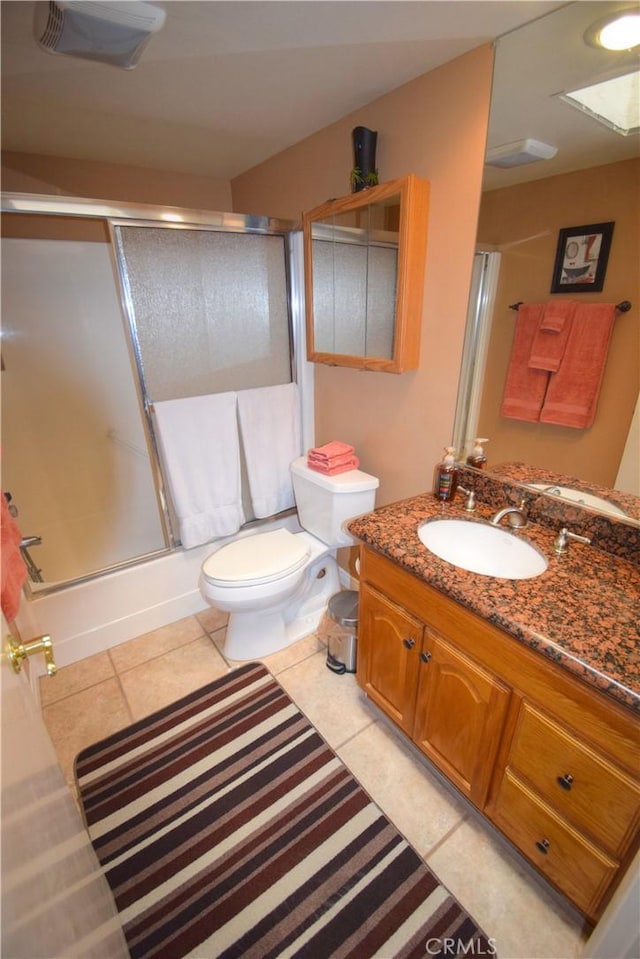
227 827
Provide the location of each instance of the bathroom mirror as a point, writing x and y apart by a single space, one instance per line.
522 211
364 277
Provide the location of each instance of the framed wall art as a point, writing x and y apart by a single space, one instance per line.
581 258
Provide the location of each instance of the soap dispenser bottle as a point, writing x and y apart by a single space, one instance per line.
445 476
477 457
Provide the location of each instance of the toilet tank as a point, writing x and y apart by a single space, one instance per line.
325 502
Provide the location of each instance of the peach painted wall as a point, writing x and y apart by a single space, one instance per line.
32 173
435 127
539 210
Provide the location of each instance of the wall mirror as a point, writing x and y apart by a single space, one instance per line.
364 277
592 178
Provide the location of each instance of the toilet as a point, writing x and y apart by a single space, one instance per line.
276 585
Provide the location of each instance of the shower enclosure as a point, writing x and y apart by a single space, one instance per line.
96 328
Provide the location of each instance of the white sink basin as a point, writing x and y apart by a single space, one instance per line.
579 497
482 548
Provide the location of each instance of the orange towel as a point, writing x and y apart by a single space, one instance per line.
330 469
14 572
320 462
550 340
572 397
331 450
524 387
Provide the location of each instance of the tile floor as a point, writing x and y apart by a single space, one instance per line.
98 695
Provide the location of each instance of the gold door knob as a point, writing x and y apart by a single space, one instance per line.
17 652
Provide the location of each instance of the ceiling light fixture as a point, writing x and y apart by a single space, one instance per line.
519 152
619 32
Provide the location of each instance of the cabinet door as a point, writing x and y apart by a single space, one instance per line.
389 642
460 712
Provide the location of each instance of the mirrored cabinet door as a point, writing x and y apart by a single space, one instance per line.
364 277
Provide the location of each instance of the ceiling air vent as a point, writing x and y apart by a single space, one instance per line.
519 152
53 27
104 30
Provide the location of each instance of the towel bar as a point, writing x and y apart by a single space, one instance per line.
623 307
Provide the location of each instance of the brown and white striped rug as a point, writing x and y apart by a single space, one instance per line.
226 826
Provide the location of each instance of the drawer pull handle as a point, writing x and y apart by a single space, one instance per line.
543 845
565 782
409 643
425 657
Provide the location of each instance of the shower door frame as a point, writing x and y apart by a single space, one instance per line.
136 214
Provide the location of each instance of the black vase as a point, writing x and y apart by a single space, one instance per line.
364 159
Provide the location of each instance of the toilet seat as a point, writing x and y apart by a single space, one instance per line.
254 560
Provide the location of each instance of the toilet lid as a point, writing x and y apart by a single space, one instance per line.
257 559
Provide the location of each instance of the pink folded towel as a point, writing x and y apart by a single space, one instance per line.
550 340
14 572
313 460
331 450
330 469
572 397
524 387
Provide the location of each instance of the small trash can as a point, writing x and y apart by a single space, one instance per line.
341 631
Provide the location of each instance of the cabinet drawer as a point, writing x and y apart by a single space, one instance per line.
569 860
578 782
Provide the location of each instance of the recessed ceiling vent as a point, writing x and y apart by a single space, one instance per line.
109 32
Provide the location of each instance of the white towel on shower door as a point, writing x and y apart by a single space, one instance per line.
270 428
200 448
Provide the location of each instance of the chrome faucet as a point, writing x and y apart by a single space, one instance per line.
470 501
561 542
516 517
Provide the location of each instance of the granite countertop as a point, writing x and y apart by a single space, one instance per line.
583 612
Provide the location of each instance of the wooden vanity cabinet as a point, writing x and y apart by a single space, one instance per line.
451 707
553 763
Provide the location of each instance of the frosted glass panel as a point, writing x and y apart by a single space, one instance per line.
75 455
210 309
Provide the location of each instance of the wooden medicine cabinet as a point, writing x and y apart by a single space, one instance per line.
364 257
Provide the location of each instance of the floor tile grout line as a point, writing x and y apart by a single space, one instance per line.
165 652
80 689
117 671
354 735
123 693
439 843
75 692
